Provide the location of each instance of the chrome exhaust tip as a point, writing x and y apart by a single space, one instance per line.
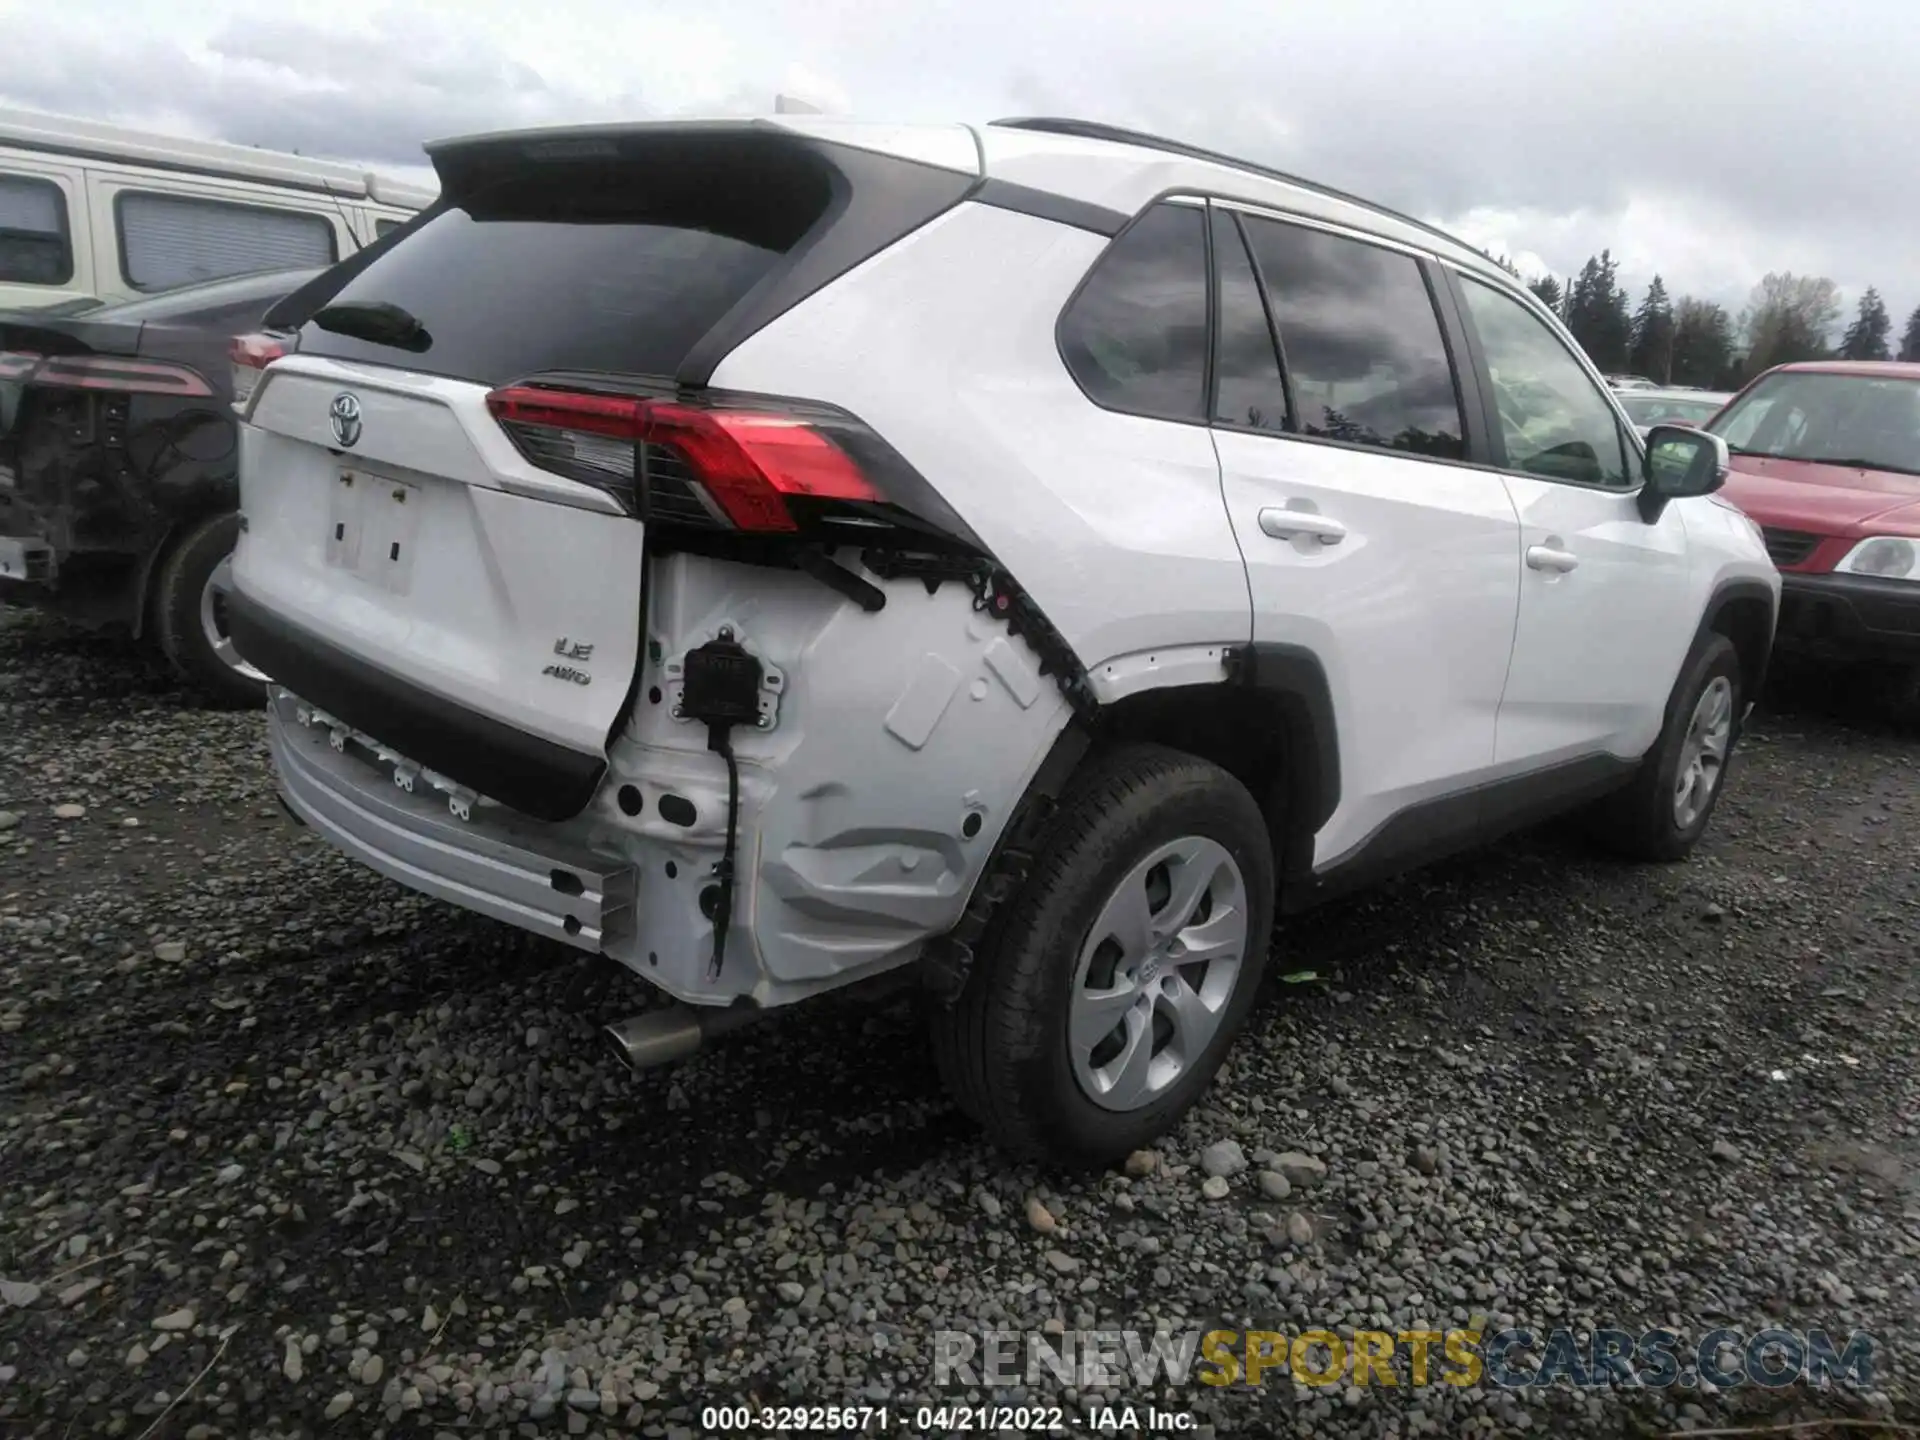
658 1037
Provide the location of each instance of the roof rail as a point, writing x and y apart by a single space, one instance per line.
1095 130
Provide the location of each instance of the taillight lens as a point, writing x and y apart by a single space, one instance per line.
102 372
251 354
721 467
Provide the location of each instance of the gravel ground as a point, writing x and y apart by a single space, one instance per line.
285 1150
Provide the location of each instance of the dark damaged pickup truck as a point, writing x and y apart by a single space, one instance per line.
118 493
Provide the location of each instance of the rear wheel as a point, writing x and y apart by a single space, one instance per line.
1112 985
190 615
1664 812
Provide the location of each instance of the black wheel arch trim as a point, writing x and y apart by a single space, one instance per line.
534 775
1744 589
1294 676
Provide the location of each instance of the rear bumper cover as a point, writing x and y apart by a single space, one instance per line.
1850 616
487 863
535 776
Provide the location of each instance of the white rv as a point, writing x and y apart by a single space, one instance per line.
98 212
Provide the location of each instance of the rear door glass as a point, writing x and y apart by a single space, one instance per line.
1248 390
1364 354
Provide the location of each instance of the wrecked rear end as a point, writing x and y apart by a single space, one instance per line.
115 425
713 683
94 427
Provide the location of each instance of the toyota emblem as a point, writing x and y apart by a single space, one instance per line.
344 412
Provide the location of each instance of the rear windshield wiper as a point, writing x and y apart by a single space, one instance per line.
375 320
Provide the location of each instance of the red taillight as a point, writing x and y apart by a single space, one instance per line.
747 462
103 372
250 354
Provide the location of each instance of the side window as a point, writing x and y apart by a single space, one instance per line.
169 240
1365 359
35 246
1135 337
1248 389
384 228
1554 421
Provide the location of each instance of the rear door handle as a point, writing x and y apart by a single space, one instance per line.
1546 557
1285 524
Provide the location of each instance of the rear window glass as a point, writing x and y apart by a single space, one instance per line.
34 246
172 240
617 270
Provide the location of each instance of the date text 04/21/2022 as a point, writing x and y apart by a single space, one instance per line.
939 1419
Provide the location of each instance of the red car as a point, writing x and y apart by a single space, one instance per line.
1826 458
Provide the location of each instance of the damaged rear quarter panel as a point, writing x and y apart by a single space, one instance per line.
897 732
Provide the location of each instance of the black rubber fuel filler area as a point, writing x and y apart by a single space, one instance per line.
720 688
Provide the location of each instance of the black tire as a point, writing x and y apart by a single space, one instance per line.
1003 1047
1899 697
1641 822
177 629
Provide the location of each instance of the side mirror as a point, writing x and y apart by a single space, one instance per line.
1681 462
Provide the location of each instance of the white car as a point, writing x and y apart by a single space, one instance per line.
1648 407
776 553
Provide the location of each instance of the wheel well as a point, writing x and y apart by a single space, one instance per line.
1261 737
1747 620
146 583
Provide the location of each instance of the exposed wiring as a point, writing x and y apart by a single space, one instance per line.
721 742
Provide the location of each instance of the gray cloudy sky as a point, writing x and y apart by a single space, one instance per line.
1712 140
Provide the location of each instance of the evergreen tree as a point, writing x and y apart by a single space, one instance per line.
1910 342
1549 292
1866 337
1702 344
1598 316
1651 354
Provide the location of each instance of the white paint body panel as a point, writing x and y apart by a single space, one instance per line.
894 727
498 572
1411 614
1111 522
1597 646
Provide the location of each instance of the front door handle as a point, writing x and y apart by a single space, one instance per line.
1285 524
1547 557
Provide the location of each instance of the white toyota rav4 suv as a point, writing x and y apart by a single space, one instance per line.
774 553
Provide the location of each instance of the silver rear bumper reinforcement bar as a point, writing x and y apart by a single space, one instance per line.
370 803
